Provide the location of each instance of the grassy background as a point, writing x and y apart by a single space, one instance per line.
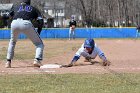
62 83
25 50
70 83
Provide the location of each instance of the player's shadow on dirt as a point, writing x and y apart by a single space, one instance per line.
95 62
89 63
19 66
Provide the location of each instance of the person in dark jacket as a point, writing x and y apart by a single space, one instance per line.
22 16
138 31
72 25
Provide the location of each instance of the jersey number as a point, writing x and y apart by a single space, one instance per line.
25 8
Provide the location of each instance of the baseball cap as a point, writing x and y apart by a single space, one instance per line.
89 43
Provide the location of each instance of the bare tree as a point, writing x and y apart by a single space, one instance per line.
125 12
4 1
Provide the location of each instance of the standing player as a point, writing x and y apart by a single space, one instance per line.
72 25
138 31
22 16
89 50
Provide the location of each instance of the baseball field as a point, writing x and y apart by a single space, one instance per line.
122 76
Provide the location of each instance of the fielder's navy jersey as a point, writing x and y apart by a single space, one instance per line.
73 22
24 11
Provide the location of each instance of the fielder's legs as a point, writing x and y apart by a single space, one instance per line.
73 33
14 35
35 38
70 33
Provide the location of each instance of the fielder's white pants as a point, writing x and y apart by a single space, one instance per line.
71 33
24 26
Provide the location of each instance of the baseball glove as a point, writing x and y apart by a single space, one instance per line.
106 63
87 59
69 65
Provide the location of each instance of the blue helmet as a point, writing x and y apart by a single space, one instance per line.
89 43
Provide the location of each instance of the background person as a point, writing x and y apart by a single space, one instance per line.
72 25
138 31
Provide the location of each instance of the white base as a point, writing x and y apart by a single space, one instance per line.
51 66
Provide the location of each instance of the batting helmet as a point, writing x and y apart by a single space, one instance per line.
89 43
27 1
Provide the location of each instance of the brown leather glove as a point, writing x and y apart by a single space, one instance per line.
69 65
106 63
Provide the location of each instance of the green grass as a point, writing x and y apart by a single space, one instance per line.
70 83
25 50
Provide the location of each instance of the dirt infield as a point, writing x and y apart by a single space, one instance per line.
123 54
